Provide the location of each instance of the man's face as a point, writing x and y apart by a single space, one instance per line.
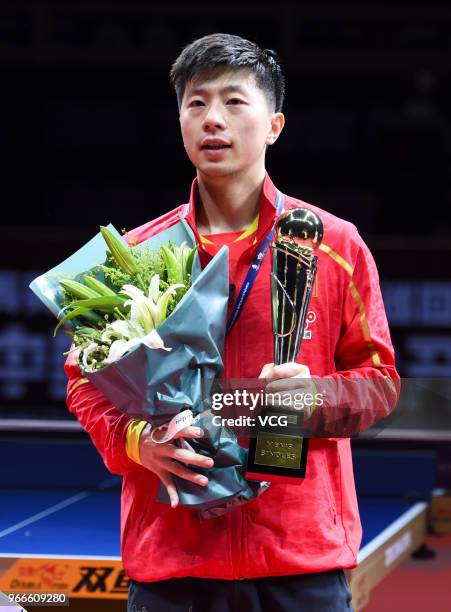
226 124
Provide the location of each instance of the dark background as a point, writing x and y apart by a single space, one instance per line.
89 134
88 120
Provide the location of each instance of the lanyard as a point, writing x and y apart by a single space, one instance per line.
253 269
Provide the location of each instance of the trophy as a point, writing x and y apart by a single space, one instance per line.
279 451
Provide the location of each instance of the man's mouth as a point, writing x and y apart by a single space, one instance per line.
212 147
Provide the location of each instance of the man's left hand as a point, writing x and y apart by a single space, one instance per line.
290 379
285 371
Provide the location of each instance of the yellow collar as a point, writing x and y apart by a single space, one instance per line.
245 233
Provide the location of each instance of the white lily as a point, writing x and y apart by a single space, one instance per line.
149 312
154 287
122 329
155 341
74 354
140 307
88 350
119 347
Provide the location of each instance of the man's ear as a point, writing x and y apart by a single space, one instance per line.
277 123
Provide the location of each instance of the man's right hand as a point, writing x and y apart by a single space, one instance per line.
163 459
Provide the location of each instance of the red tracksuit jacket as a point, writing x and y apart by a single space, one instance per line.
291 528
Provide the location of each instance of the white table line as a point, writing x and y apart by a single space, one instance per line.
24 555
105 484
51 510
58 425
390 530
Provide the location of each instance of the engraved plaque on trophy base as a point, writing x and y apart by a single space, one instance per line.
278 453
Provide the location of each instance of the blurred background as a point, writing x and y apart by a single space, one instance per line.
89 135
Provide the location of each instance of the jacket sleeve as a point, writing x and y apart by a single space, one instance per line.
365 386
105 424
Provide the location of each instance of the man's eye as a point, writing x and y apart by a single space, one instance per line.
196 103
235 101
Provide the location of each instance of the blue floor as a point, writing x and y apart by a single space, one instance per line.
90 526
378 513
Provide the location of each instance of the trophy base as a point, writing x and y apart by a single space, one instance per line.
274 478
278 454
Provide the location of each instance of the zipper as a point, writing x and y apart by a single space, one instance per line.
243 555
238 531
237 519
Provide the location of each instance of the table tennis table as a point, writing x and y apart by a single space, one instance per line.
59 516
60 511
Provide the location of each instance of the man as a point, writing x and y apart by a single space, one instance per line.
285 550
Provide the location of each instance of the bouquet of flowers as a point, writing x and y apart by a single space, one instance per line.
112 325
148 329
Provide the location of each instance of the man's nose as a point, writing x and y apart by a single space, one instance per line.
214 118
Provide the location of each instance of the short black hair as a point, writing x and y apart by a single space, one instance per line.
215 53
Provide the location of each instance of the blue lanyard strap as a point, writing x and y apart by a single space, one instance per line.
253 269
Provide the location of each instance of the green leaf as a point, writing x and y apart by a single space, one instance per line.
74 313
92 317
105 303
